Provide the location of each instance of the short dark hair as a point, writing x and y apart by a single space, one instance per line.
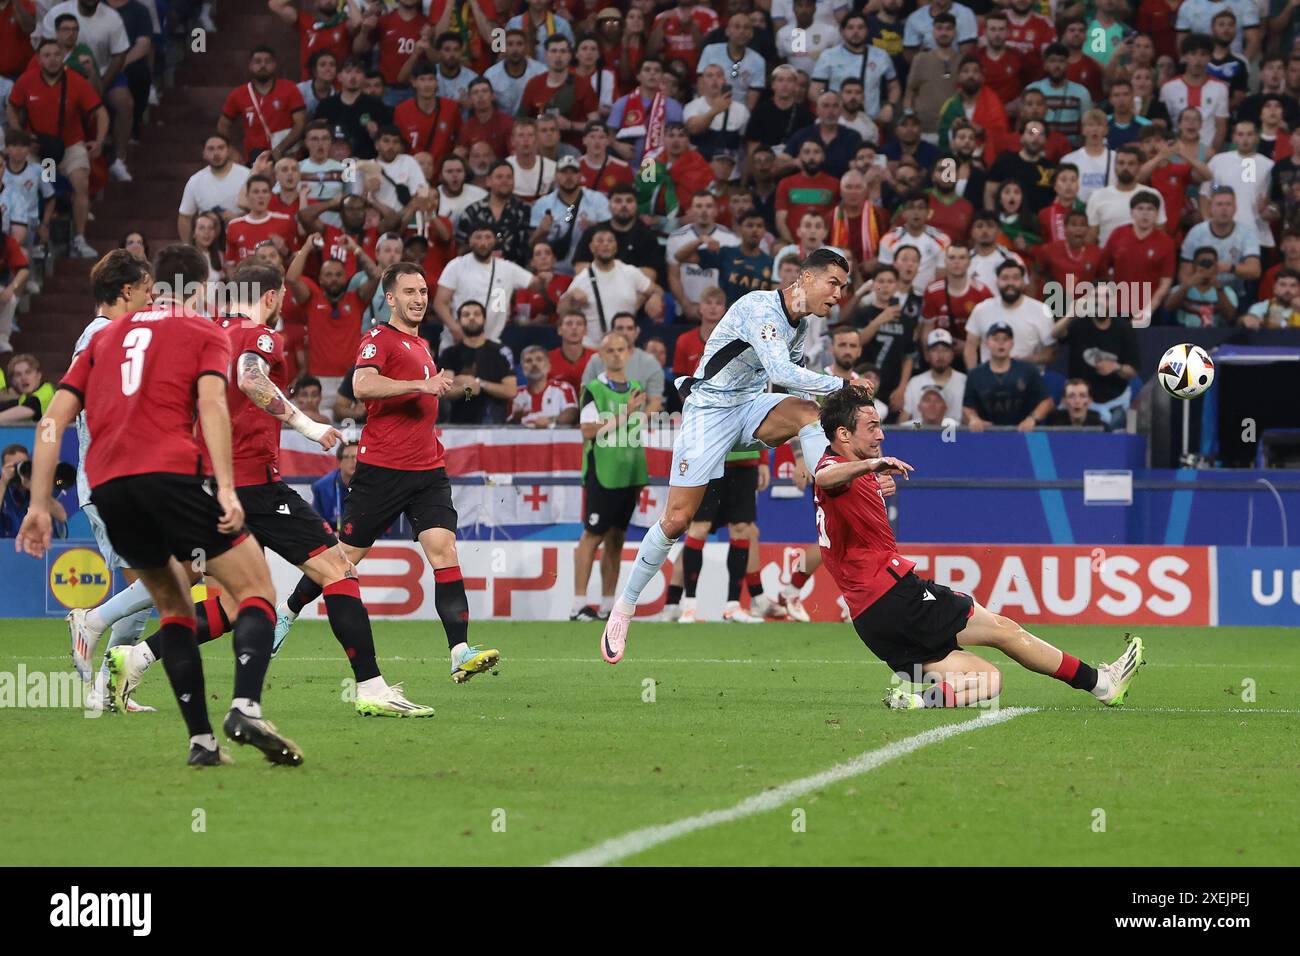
1195 42
470 303
840 410
883 268
446 36
64 18
263 48
389 279
552 40
1144 197
622 189
181 261
117 269
314 60
390 130
1287 273
947 18
251 280
1056 49
258 178
1006 264
823 258
305 381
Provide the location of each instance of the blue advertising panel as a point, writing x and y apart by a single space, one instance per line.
1259 586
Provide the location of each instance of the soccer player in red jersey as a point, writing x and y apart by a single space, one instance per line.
916 626
274 513
400 465
142 382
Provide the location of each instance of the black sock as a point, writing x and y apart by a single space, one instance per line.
184 667
154 641
211 620
1076 673
674 594
692 564
350 623
452 605
304 592
755 582
253 635
737 561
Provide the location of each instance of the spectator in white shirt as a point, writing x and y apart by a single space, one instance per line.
398 171
608 287
939 353
543 402
479 276
217 187
1250 175
454 194
1029 319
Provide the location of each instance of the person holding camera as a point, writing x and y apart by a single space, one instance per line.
16 494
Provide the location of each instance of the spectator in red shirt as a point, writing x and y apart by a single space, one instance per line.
246 233
17 24
561 93
951 297
809 190
538 307
353 209
34 105
689 347
678 33
325 28
271 109
429 122
949 213
1033 106
485 123
1141 256
688 169
289 188
333 313
1004 67
1079 67
601 169
1051 218
569 361
1070 260
396 33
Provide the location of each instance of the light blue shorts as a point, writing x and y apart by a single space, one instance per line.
708 435
111 557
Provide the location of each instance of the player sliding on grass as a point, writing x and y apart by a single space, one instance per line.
142 382
277 515
758 343
918 627
401 467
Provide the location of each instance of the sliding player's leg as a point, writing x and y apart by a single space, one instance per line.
1109 683
244 571
439 544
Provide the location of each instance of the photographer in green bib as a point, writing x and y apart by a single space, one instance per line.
612 412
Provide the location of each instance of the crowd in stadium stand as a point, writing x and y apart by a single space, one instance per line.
567 168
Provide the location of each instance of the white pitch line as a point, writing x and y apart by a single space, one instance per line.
638 841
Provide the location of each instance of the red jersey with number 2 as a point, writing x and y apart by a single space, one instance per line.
857 540
138 381
400 432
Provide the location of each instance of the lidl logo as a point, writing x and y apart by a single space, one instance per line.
80 578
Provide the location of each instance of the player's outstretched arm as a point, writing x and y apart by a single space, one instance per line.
368 384
266 395
37 527
773 353
840 473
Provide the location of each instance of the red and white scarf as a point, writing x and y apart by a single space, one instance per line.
636 123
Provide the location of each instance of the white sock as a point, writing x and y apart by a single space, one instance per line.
457 649
142 655
283 611
247 707
124 602
813 441
650 558
372 689
1102 690
688 604
606 603
206 741
579 602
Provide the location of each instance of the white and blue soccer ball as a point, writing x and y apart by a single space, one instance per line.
1185 371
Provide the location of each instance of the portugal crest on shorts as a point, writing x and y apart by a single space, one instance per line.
369 351
681 469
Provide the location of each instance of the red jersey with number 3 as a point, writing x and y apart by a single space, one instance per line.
400 432
138 381
857 540
254 432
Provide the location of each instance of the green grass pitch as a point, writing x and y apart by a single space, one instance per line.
558 752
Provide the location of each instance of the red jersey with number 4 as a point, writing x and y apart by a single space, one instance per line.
400 432
857 540
254 432
138 381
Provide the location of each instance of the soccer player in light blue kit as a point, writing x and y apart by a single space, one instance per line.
759 342
122 284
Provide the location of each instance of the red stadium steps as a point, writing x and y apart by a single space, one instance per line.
170 151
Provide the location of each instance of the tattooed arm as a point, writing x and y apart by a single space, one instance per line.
262 392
